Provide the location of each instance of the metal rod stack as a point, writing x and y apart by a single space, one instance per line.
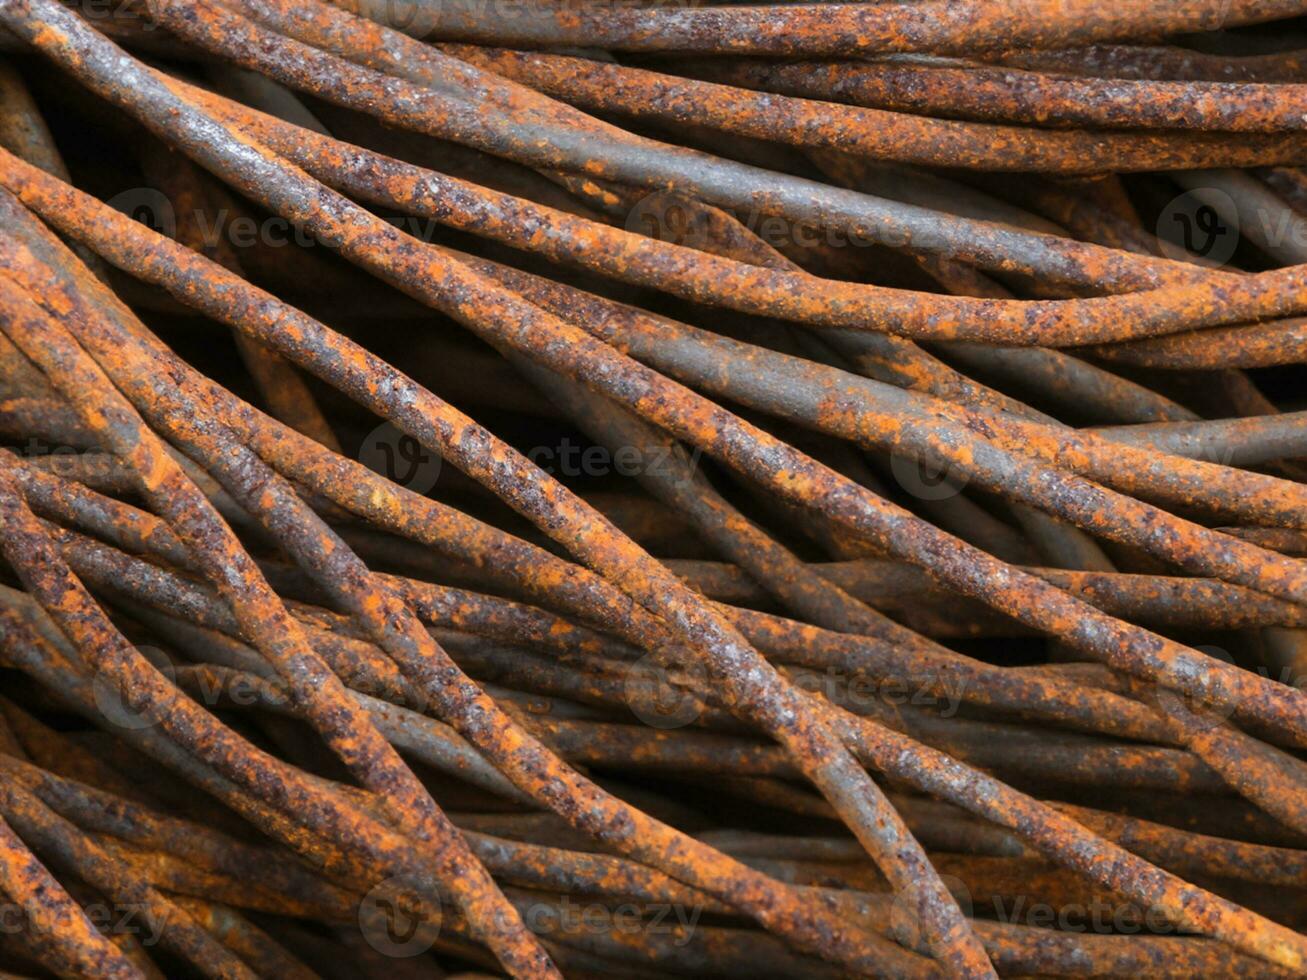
638 488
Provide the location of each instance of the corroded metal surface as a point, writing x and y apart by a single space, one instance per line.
825 515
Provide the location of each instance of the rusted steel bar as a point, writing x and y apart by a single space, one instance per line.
102 813
22 129
1083 762
1051 833
396 37
524 864
1055 375
22 383
683 352
938 379
372 49
24 132
48 748
433 743
1275 781
507 560
1287 540
924 188
247 889
1263 345
327 705
259 950
871 132
169 874
1016 949
1033 98
1066 201
1058 543
359 489
1193 853
1010 942
1071 384
661 354
98 472
1234 442
64 934
61 499
1160 600
45 417
1062 759
840 30
678 948
1158 63
363 880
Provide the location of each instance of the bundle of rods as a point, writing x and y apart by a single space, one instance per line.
653 488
